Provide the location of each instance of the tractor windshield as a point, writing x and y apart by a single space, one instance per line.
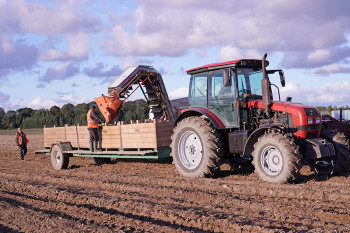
249 82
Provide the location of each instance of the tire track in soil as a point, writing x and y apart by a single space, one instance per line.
111 197
182 207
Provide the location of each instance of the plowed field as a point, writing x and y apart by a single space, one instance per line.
142 196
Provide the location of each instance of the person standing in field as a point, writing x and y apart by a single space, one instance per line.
21 140
92 120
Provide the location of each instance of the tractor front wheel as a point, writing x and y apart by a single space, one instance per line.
276 158
196 148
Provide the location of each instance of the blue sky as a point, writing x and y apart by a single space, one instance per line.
58 52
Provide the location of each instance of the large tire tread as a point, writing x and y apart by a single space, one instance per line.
286 146
211 143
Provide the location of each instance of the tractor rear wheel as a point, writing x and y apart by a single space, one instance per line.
276 158
196 148
59 159
342 150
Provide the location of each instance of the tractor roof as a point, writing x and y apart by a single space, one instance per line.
214 66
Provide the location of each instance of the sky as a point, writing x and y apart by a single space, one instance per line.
69 51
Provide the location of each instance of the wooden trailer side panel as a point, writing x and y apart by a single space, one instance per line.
111 137
137 136
149 135
84 136
72 135
55 134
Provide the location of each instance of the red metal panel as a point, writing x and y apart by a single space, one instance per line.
207 113
295 109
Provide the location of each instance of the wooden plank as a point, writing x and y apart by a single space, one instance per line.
139 126
139 145
111 136
137 130
138 135
115 143
110 146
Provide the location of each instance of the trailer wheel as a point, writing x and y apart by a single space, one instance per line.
276 158
100 161
342 150
59 159
196 148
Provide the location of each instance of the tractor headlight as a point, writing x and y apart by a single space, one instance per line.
309 121
317 120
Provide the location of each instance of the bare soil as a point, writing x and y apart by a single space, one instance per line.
143 196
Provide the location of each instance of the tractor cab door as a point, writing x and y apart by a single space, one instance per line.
221 99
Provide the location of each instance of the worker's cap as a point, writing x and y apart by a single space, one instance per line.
19 128
93 106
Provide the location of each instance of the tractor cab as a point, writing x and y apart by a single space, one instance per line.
223 88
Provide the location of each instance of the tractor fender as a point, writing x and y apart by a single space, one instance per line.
217 123
253 138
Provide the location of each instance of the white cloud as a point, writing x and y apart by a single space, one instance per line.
330 94
318 56
36 17
314 31
6 44
332 69
52 55
229 52
40 102
128 61
78 48
178 93
78 45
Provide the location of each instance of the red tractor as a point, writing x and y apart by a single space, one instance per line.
232 116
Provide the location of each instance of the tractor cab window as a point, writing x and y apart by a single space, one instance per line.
198 91
222 101
249 82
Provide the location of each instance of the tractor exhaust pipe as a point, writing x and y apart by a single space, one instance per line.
266 89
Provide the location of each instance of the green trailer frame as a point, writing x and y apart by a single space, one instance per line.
60 153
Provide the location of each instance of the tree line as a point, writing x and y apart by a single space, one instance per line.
72 115
328 110
68 114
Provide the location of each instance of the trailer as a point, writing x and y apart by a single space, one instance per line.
138 140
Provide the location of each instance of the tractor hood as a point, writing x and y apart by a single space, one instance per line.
300 112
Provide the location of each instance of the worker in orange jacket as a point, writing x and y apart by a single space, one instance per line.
92 120
21 140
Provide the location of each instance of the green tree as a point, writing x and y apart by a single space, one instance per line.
2 114
80 111
54 110
9 120
21 114
329 110
67 111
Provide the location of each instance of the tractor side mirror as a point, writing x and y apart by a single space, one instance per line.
282 78
227 77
